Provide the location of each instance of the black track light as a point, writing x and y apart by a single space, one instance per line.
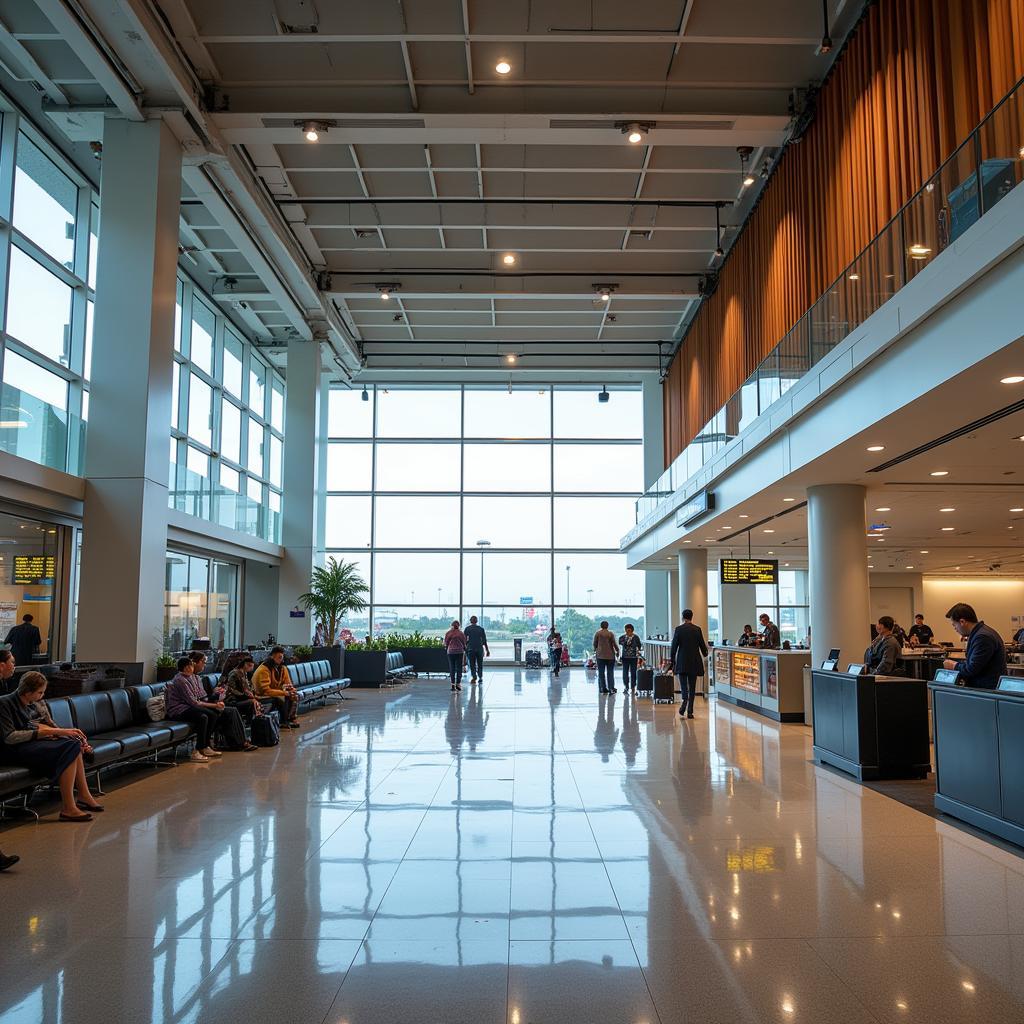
719 251
825 46
604 396
366 394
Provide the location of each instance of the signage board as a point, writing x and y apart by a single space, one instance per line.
31 570
526 600
699 505
749 570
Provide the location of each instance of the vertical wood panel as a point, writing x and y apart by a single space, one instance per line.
914 81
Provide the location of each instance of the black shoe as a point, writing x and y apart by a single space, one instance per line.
690 715
613 690
682 713
8 862
453 687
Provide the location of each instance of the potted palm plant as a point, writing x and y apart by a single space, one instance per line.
334 590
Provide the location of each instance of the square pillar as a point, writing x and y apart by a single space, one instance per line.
124 534
303 440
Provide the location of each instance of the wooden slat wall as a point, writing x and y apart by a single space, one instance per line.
914 81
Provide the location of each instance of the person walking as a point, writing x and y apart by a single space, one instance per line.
476 647
555 650
605 651
455 645
688 653
632 647
24 640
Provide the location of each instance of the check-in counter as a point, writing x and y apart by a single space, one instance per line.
979 756
769 682
874 727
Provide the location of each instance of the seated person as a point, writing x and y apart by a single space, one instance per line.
880 657
920 633
29 738
199 670
240 691
748 638
984 660
273 682
187 702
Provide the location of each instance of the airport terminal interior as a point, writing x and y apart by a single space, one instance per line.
512 512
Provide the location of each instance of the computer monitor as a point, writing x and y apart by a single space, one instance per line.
833 655
856 668
946 675
830 665
1011 684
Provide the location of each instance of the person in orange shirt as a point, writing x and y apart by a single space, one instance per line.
272 682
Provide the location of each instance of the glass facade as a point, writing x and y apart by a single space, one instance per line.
546 475
200 602
49 216
227 425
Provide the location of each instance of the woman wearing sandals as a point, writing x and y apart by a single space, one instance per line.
30 738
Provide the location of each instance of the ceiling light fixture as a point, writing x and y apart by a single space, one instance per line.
312 130
940 472
366 394
1014 379
509 259
948 508
635 132
719 251
603 395
825 46
876 447
511 358
746 177
604 292
854 277
769 531
924 552
948 529
743 515
917 251
1017 509
789 499
883 508
503 67
385 290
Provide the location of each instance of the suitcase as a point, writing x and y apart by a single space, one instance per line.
266 729
533 659
644 680
664 689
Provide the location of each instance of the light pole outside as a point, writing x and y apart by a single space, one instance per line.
481 544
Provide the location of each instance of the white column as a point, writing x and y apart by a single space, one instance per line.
124 535
693 585
837 551
738 609
301 478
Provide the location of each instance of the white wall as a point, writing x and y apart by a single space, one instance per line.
995 600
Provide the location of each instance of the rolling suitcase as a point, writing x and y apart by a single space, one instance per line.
664 689
266 729
644 680
533 659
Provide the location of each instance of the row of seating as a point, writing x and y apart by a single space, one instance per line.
120 729
395 667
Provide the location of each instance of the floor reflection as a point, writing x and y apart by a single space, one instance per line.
520 851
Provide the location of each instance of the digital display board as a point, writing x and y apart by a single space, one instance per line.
749 570
33 569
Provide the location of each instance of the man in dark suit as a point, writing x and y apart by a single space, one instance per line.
24 640
985 659
688 653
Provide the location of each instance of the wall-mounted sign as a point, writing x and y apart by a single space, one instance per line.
699 505
749 570
31 570
526 600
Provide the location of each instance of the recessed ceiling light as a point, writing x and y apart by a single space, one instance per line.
871 567
725 527
1013 379
769 531
784 564
883 508
685 542
1017 509
855 277
924 552
948 508
789 499
508 259
957 567
510 358
940 472
910 567
876 447
948 529
771 552
881 540
919 252
503 67
744 516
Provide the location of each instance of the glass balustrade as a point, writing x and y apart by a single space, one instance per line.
41 432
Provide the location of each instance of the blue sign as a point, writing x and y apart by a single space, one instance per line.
699 505
296 613
526 600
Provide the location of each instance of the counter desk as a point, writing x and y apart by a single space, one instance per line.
979 756
769 682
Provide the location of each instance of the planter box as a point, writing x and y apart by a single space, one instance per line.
426 660
366 668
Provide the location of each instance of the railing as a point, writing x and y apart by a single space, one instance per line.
36 430
935 217
198 496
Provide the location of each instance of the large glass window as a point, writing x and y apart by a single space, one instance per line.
200 602
204 323
45 200
411 502
38 308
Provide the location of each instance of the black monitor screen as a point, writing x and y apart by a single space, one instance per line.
833 655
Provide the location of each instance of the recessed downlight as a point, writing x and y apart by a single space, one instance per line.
1018 509
910 567
940 472
503 67
948 529
509 259
883 508
769 531
924 552
1015 378
742 516
948 508
789 499
876 447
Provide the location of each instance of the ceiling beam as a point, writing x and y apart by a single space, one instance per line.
618 37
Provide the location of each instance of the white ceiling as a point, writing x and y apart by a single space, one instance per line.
435 167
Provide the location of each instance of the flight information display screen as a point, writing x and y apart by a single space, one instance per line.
749 570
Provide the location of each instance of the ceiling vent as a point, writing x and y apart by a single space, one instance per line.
678 125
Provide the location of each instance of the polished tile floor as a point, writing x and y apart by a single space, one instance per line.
528 855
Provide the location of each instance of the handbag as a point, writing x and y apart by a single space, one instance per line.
156 708
266 729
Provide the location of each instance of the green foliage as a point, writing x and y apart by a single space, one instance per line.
302 650
578 629
394 642
166 661
334 589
